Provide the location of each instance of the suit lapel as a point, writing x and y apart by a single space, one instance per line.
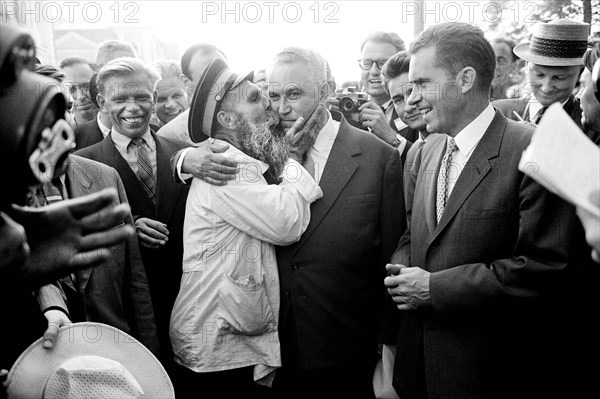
167 191
475 170
79 183
338 170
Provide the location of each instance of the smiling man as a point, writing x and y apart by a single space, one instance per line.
555 60
481 273
172 97
378 115
127 94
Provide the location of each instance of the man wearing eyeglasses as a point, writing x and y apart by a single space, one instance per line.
378 115
78 73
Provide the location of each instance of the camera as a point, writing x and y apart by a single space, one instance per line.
347 101
34 137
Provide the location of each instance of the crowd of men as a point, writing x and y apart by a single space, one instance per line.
283 252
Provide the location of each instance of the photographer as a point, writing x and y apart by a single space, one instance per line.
378 115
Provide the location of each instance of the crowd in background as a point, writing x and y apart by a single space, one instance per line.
411 259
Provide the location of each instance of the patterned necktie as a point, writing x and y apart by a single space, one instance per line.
539 115
442 181
144 170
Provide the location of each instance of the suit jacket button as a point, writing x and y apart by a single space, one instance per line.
286 293
295 267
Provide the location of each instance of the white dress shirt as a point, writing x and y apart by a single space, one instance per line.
322 146
122 143
466 141
227 311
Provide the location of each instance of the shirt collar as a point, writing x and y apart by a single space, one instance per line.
123 141
467 139
386 104
325 134
103 128
535 106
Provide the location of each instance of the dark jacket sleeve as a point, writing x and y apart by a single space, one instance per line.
138 303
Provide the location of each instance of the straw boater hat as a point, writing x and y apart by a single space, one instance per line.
89 360
561 42
214 83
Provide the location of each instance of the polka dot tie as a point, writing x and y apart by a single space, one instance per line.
442 181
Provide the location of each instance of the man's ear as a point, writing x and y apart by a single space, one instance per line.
101 103
466 79
325 91
187 84
227 119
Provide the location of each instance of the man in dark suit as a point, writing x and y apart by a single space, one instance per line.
481 273
331 292
555 60
114 293
126 88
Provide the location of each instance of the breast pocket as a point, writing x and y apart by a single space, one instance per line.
481 214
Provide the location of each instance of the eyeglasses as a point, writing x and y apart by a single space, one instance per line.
81 86
366 64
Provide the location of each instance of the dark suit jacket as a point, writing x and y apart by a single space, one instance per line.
116 292
501 250
163 265
332 278
87 134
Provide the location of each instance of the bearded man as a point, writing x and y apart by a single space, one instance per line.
224 325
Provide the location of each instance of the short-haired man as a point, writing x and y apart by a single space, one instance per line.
396 83
506 64
331 299
378 115
224 325
78 73
193 63
172 97
127 93
590 119
481 273
112 49
554 62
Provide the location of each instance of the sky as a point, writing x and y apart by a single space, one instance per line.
252 32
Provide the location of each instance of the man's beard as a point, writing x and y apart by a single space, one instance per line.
263 139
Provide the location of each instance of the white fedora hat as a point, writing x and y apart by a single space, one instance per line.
89 360
561 42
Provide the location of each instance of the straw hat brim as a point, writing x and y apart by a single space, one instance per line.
27 378
522 51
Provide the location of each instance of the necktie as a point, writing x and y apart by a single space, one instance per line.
539 115
309 165
144 170
54 191
442 181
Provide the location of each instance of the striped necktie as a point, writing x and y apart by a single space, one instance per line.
442 182
144 170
